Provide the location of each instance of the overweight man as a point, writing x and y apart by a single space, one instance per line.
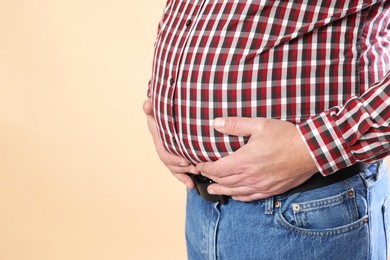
275 115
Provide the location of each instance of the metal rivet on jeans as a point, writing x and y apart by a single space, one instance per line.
277 204
296 207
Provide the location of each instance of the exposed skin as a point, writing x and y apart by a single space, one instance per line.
176 164
274 160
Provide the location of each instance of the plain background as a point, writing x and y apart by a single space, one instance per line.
79 177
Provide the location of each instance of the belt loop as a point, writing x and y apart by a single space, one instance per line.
269 206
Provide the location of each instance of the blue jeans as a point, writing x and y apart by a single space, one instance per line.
346 220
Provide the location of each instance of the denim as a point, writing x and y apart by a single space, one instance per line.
346 220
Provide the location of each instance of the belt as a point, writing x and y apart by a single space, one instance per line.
315 182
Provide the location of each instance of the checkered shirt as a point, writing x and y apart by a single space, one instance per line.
322 65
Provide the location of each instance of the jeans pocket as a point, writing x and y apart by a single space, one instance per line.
331 215
386 223
326 213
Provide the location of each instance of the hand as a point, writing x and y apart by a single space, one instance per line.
176 164
274 160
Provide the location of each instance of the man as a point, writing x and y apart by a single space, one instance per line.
277 113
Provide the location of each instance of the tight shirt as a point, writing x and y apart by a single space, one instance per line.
322 65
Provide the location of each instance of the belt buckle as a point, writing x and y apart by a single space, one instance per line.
201 184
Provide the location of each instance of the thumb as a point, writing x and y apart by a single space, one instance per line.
239 126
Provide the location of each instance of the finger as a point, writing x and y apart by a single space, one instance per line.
171 159
148 107
177 165
214 170
252 197
182 170
238 126
153 130
164 155
234 180
224 167
173 162
152 127
234 191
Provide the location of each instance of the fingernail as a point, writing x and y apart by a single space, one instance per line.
183 164
219 123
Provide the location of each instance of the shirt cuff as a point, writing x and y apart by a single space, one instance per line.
323 135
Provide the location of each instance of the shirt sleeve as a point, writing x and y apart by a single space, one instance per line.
358 131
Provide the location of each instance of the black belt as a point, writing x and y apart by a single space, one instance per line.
315 182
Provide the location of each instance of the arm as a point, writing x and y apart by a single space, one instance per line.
358 131
276 157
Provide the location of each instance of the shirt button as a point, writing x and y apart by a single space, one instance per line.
188 23
171 81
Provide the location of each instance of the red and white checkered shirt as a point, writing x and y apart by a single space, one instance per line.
322 65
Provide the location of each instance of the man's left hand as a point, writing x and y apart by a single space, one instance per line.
274 160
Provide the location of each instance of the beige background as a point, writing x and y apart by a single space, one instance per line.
79 178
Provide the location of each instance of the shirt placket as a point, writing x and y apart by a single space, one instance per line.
181 42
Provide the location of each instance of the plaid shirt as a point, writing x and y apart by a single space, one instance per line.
322 65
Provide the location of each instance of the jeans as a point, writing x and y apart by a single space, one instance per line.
346 220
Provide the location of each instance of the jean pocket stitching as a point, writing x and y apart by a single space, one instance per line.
324 232
326 202
346 199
